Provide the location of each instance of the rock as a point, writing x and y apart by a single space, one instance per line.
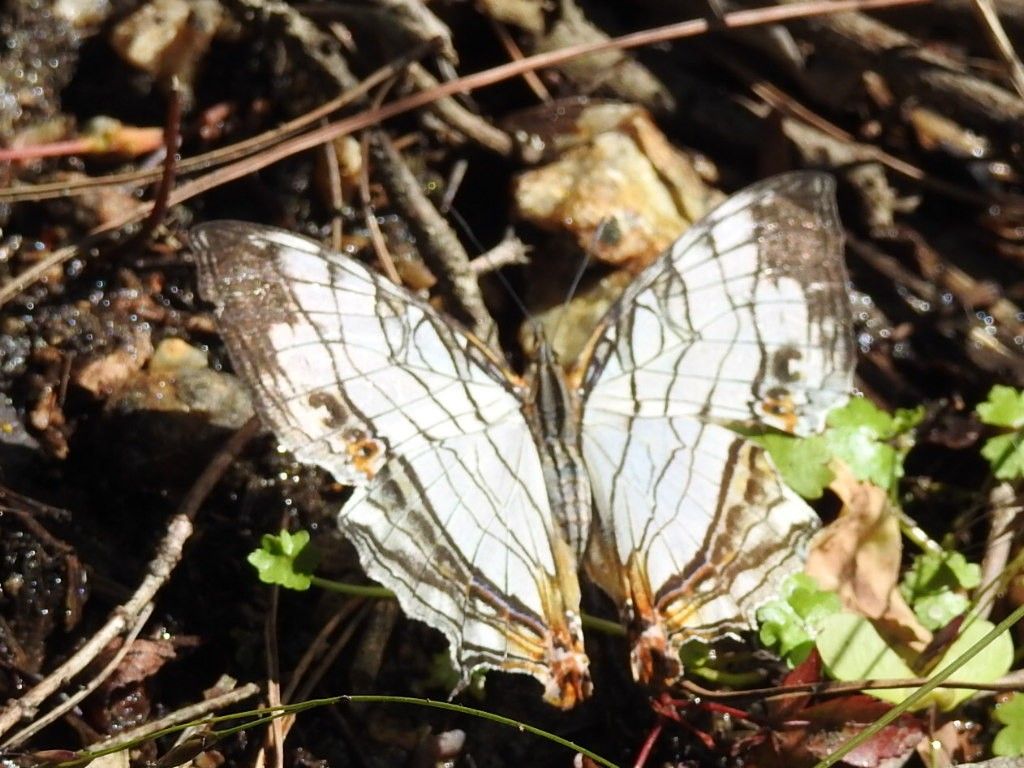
619 189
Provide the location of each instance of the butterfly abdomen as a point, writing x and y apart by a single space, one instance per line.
553 414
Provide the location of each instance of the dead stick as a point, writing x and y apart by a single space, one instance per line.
183 715
72 701
435 239
692 28
157 573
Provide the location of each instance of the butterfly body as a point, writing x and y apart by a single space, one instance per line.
552 409
480 495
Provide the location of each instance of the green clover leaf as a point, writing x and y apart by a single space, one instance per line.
1009 742
873 443
802 461
1005 454
1004 407
934 586
931 572
790 624
287 560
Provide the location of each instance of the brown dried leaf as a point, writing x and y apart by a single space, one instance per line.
817 731
858 556
890 747
143 660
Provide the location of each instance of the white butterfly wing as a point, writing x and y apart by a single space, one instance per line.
450 511
745 319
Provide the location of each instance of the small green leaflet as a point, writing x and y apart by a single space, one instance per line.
287 560
789 625
1004 407
1009 742
870 441
936 610
802 461
935 586
1005 453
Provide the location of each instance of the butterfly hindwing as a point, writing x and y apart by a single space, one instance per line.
365 380
744 320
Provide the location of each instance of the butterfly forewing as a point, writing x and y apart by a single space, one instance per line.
363 379
745 319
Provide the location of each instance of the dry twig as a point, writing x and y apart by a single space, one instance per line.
1004 511
435 239
76 698
357 122
412 17
913 71
986 12
471 125
159 570
172 135
510 251
183 715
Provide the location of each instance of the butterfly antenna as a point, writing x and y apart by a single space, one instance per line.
573 287
479 248
598 238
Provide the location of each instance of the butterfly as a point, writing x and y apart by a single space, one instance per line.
481 495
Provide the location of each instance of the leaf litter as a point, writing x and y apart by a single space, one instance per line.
101 424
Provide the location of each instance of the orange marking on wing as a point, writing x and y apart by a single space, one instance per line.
654 656
366 454
553 655
781 410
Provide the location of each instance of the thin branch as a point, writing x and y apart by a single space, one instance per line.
313 138
169 551
185 714
172 136
380 246
846 687
472 125
986 13
435 239
72 701
318 649
222 155
516 54
1004 512
509 252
